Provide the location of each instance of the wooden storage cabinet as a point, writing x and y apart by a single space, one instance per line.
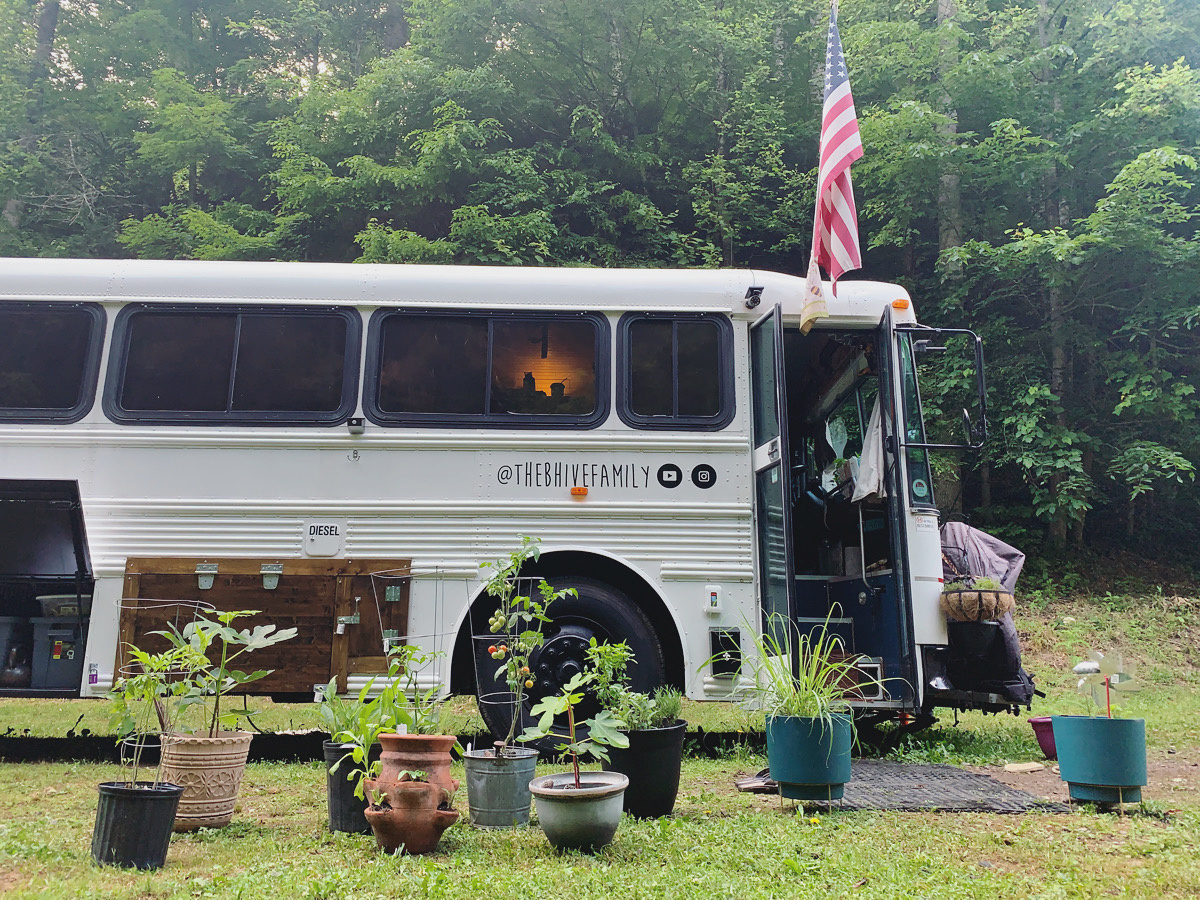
311 596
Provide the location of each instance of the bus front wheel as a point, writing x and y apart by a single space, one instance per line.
598 611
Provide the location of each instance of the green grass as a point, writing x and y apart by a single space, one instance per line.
718 844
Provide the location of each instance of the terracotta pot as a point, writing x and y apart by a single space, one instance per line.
428 753
209 769
406 815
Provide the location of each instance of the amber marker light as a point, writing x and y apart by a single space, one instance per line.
901 303
579 492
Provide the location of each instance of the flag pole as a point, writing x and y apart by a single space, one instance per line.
835 244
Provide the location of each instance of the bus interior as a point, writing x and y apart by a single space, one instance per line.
843 549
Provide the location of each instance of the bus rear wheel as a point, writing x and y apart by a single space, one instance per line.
599 611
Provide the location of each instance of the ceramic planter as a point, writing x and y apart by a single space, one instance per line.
498 786
134 823
428 753
210 770
810 758
1102 760
583 818
409 816
651 762
1043 730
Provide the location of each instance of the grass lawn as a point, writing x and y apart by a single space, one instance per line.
719 843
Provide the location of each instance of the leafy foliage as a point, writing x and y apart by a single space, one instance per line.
1029 173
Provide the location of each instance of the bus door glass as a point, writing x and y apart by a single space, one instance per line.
772 488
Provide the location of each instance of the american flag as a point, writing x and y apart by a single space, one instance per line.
835 222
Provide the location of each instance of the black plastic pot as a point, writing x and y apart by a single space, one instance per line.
651 762
134 824
345 810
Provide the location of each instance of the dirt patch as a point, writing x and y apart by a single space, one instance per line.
1171 781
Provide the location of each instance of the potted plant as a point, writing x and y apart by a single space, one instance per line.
498 778
975 600
809 726
340 715
578 810
136 815
204 751
405 805
654 757
408 814
1102 758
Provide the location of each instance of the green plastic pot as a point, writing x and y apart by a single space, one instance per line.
1102 760
810 758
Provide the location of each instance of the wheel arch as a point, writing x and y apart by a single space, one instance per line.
597 565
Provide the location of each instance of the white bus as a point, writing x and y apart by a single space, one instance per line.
267 435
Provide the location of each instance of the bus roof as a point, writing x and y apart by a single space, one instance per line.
712 290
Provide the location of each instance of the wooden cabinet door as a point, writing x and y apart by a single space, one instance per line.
310 596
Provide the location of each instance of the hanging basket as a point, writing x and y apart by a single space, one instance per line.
976 605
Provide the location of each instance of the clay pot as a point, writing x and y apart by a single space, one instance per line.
210 770
428 753
976 606
408 815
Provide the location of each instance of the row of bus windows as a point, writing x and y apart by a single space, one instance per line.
176 364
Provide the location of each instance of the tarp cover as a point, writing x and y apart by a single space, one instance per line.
976 553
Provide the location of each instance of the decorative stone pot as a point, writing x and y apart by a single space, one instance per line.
428 753
976 606
210 770
583 818
1102 760
133 824
498 786
408 815
810 758
652 762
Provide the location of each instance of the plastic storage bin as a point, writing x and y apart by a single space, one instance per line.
58 606
58 646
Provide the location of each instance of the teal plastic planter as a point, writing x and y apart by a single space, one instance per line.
809 758
1102 760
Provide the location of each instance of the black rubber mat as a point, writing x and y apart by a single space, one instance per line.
880 784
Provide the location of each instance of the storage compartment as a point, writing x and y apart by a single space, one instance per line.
340 621
58 654
45 587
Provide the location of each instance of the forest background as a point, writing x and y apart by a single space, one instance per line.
1029 172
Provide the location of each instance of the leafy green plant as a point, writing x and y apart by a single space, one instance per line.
604 729
340 714
204 683
983 583
823 682
142 703
610 664
400 706
517 623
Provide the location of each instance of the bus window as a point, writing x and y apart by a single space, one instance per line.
920 482
49 354
480 368
675 371
225 363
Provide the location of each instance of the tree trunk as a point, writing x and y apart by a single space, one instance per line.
396 32
950 217
35 97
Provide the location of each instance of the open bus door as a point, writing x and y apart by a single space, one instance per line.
772 473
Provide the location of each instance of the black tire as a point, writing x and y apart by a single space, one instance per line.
600 611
